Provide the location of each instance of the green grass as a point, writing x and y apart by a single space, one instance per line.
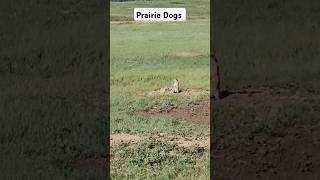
266 43
242 125
142 60
274 41
158 164
52 74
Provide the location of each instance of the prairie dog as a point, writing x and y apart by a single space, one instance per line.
215 77
176 86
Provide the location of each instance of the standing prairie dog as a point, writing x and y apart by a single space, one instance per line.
176 86
215 77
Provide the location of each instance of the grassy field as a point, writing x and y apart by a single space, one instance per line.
143 58
269 53
52 79
275 44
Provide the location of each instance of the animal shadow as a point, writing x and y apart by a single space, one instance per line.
225 93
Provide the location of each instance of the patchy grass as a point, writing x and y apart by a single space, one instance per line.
274 44
271 44
52 71
144 59
151 159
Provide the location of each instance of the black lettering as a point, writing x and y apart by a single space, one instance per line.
175 16
138 14
165 14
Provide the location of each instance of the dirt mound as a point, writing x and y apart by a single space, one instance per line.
183 92
294 156
171 138
188 54
124 138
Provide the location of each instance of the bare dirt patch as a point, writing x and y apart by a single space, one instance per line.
183 141
185 54
180 141
197 114
183 92
124 138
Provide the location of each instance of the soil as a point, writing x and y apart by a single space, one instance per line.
266 96
294 156
183 92
181 141
197 114
124 138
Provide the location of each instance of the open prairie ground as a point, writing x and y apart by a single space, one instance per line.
158 135
52 89
267 125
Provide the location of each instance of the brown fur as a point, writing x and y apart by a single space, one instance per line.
176 86
215 77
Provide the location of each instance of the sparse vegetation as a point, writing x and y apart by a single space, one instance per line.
269 58
272 45
154 156
144 58
52 79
